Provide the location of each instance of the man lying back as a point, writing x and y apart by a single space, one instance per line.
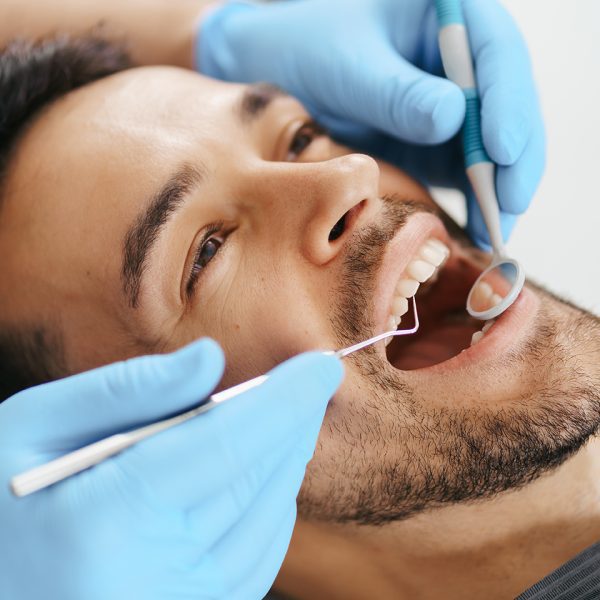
144 208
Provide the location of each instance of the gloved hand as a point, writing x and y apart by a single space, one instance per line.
369 71
203 510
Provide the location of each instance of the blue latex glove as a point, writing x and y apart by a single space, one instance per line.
204 510
369 71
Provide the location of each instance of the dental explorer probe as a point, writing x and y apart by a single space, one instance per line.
505 275
60 468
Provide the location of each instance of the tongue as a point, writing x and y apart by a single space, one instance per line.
429 348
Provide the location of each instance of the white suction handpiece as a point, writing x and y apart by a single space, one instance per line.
504 276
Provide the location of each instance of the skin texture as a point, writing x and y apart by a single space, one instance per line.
90 164
136 21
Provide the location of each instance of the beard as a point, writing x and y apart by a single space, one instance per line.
395 451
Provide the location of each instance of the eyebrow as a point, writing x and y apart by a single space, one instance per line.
146 229
256 99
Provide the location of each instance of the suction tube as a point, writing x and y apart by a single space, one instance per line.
458 65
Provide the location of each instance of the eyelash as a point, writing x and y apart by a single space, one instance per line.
306 134
195 272
309 129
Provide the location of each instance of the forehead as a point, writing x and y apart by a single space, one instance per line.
109 145
84 169
145 109
125 132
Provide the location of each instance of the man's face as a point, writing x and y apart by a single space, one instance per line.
157 206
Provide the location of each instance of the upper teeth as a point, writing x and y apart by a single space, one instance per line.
429 258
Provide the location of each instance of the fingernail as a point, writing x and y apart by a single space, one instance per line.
437 114
511 143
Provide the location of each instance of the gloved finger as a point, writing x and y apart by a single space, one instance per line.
504 78
217 514
260 580
477 229
399 99
516 185
238 553
187 463
94 404
441 165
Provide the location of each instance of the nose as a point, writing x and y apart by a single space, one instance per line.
321 204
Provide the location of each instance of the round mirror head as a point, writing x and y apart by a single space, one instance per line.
495 289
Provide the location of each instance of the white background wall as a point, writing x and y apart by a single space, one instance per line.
558 239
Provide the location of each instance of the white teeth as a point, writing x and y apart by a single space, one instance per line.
424 267
495 299
439 245
476 337
482 295
484 298
420 270
484 290
432 254
487 326
407 288
399 306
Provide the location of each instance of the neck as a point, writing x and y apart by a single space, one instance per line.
494 549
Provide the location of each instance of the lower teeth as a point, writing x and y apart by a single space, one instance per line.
478 335
487 325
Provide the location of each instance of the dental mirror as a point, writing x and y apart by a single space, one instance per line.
501 283
495 289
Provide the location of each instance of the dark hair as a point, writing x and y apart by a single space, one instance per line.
32 76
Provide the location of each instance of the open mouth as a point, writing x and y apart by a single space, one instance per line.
440 280
423 261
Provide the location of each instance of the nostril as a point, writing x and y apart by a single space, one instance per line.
347 222
338 229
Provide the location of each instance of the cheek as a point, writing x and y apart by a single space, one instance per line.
353 397
264 325
263 307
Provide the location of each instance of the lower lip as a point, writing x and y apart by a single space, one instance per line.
509 330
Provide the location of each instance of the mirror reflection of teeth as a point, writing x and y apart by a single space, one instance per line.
484 297
431 257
